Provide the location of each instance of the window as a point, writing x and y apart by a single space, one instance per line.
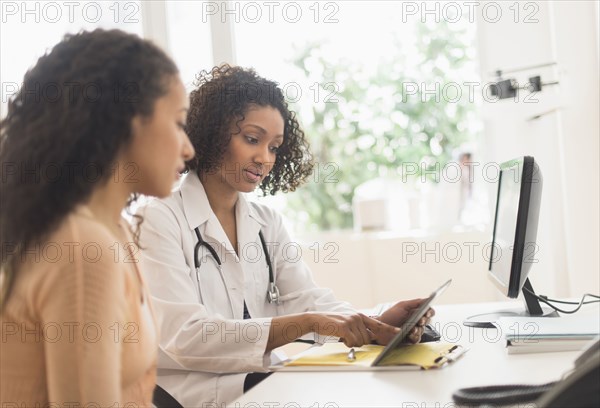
382 100
381 94
189 38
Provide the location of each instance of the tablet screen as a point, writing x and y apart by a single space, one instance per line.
411 322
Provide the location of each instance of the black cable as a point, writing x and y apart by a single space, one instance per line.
568 303
572 303
547 301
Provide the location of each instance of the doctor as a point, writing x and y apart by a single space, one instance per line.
224 291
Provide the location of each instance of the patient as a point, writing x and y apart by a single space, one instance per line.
98 119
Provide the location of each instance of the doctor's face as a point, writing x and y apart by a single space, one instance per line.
252 150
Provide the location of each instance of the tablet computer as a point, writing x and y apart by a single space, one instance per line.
410 323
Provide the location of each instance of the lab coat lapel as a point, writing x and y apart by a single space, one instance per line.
249 224
195 203
198 212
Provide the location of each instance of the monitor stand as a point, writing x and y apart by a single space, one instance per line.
532 308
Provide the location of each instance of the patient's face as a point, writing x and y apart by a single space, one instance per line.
160 146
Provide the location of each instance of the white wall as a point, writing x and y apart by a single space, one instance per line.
565 141
576 50
370 268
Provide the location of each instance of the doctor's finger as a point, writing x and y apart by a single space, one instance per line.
358 329
382 332
350 338
415 334
363 332
423 321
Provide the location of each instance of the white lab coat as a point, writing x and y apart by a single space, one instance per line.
206 348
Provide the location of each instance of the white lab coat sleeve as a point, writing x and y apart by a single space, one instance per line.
189 337
299 292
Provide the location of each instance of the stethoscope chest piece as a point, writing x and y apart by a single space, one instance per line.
273 293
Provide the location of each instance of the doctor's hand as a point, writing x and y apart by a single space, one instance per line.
397 315
354 329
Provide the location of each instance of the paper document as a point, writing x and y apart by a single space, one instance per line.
424 355
548 334
535 328
545 346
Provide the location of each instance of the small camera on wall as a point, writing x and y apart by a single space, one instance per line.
506 88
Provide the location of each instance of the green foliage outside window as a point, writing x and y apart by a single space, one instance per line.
367 125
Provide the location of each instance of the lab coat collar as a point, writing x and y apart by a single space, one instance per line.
194 200
245 208
197 208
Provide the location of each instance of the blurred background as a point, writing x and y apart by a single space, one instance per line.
397 100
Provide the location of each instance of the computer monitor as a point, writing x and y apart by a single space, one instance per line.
514 247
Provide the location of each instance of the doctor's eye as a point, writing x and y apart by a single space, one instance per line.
251 140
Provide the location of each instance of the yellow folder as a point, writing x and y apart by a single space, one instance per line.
423 355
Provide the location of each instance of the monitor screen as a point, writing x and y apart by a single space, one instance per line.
514 247
515 225
506 226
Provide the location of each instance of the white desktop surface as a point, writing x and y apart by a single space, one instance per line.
486 363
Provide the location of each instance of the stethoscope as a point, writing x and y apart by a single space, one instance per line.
272 291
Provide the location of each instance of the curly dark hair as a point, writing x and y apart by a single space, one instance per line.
223 95
65 128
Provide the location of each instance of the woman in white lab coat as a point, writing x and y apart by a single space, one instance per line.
219 306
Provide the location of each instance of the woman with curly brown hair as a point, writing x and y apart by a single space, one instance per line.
98 119
226 286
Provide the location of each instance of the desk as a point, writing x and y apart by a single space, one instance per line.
486 363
